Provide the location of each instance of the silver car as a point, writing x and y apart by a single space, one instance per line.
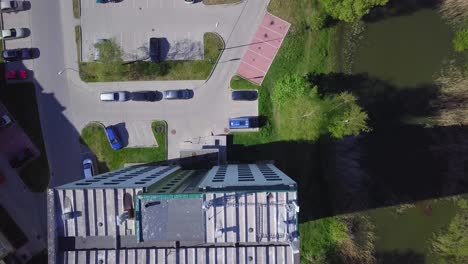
178 94
12 33
121 96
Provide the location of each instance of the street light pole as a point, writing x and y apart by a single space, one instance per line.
67 68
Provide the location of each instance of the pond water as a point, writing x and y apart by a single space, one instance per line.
412 228
406 50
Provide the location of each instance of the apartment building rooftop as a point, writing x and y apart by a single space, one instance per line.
165 214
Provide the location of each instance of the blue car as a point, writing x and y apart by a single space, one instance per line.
113 138
240 122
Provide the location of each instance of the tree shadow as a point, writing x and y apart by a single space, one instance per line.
399 8
385 103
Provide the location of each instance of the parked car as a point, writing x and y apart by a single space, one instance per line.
97 52
88 170
244 95
5 120
155 50
189 1
113 138
104 1
18 54
121 96
149 96
243 122
16 75
12 33
11 6
178 94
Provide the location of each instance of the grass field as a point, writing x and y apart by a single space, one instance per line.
167 70
239 83
303 51
94 136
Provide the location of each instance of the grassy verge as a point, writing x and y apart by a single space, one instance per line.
220 2
167 70
76 9
78 41
239 83
94 136
20 100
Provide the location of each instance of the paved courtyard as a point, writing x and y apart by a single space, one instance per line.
133 22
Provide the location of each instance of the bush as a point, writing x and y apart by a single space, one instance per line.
317 20
460 42
350 10
320 238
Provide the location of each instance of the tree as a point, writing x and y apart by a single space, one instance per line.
452 245
460 42
303 114
346 117
290 87
350 10
109 50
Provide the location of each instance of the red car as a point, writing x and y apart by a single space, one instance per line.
16 75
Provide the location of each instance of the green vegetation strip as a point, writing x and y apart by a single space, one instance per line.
76 8
94 136
20 100
78 41
220 2
239 83
114 69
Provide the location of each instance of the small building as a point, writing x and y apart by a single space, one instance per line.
241 213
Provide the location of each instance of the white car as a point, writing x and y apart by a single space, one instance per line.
12 33
88 168
5 120
121 96
11 6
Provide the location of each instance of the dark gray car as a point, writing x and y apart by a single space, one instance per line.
244 95
178 94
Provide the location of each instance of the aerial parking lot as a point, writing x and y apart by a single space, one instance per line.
180 25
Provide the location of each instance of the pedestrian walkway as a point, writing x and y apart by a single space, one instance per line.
263 48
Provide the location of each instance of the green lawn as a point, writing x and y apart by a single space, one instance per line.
239 83
166 70
76 9
78 41
20 100
93 135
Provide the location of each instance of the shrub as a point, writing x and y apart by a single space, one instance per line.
460 42
350 10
